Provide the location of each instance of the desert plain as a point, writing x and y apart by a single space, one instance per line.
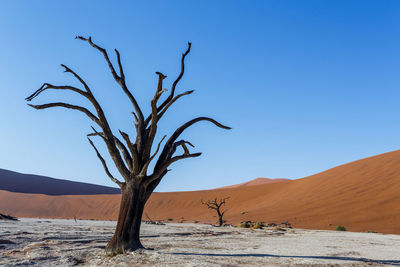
50 242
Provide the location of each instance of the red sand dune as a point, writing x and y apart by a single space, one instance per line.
361 195
256 181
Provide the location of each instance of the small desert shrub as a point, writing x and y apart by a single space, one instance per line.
341 228
258 225
243 225
250 224
170 219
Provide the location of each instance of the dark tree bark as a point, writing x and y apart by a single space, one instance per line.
126 236
131 157
216 205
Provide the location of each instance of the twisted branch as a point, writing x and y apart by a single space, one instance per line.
183 144
119 144
115 180
77 77
65 105
47 86
169 147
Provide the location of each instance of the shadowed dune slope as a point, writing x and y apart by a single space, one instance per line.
361 195
37 184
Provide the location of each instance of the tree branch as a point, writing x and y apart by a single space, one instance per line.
125 153
121 70
209 204
168 149
183 144
161 112
133 149
78 77
65 105
136 118
154 115
164 167
181 129
144 169
177 79
47 86
215 204
101 120
173 101
158 148
184 156
119 79
120 184
104 52
119 144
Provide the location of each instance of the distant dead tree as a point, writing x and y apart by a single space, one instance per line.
216 204
132 158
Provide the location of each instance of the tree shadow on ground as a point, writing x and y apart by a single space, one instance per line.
365 260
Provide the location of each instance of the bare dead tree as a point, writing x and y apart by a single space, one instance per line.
131 157
216 204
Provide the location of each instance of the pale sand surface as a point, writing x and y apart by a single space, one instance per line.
49 242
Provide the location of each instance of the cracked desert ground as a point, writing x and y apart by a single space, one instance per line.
51 242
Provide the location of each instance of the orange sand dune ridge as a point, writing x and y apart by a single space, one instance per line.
362 195
256 181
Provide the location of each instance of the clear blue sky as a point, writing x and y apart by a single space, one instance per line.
306 85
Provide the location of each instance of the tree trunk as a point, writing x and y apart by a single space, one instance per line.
220 220
126 235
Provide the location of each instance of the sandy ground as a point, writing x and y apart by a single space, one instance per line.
45 242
